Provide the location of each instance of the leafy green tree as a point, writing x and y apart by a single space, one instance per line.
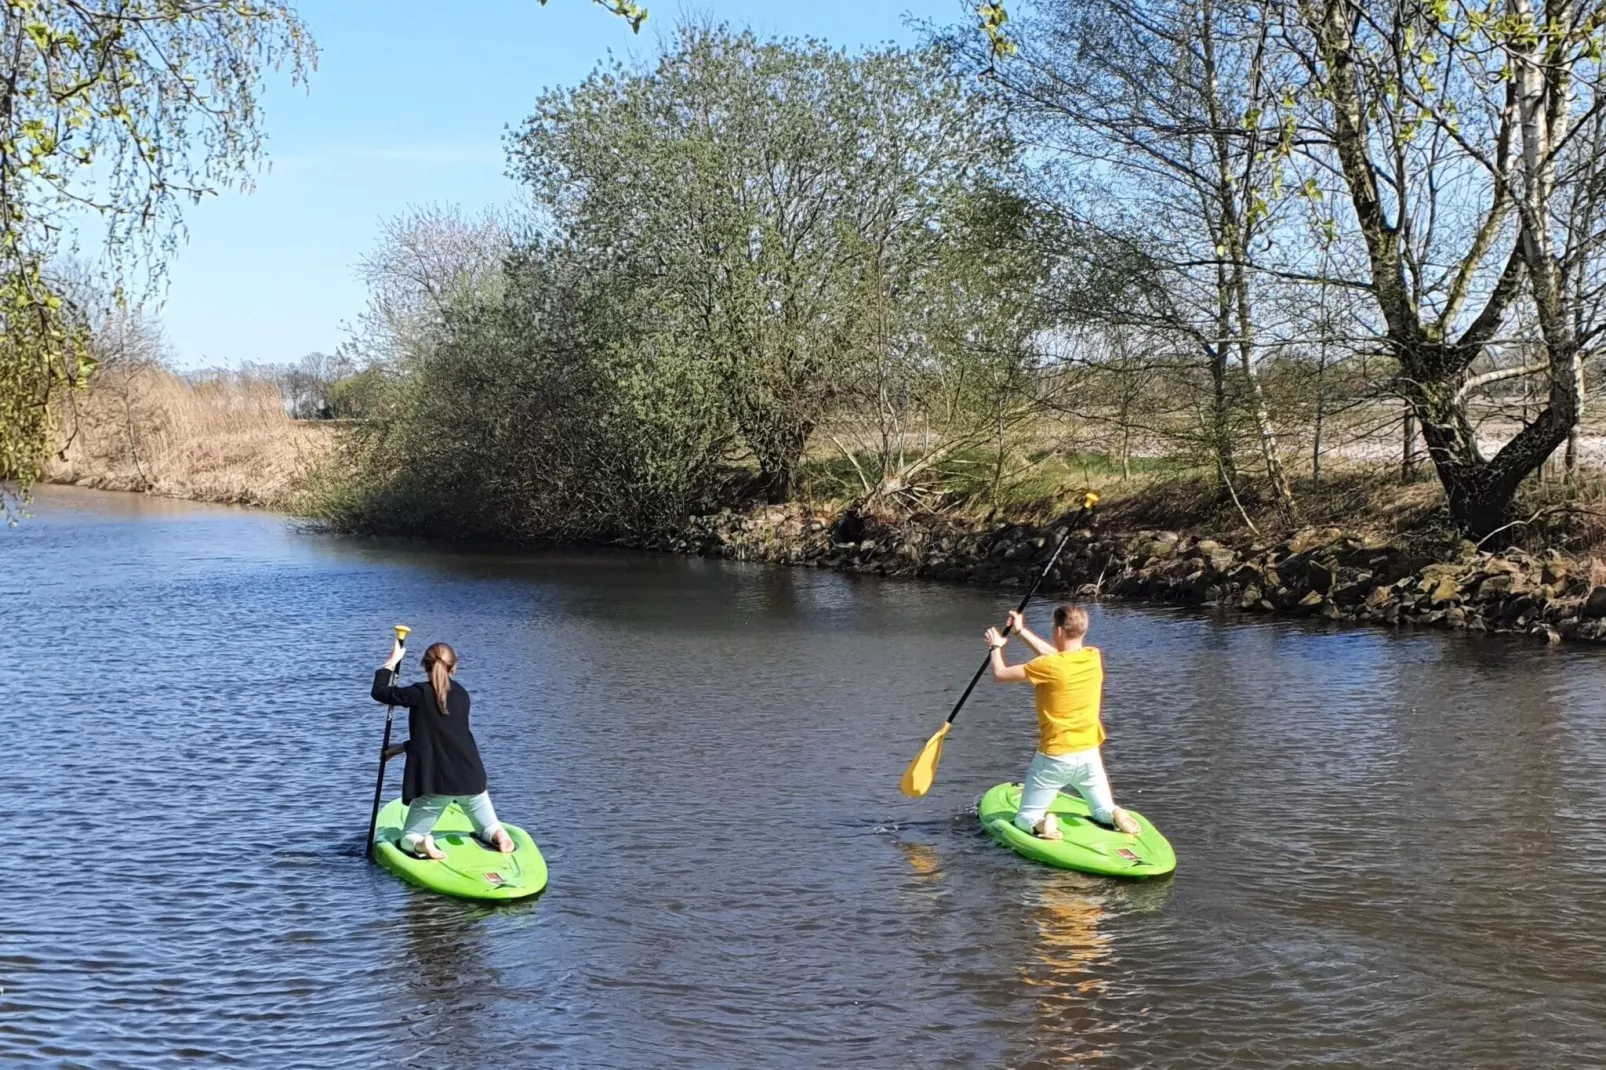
751 194
119 111
547 405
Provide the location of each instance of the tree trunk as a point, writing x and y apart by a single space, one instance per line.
1573 460
1408 447
1221 415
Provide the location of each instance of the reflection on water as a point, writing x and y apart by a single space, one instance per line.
1390 850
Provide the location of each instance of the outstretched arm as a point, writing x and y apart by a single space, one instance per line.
385 689
1017 623
1003 672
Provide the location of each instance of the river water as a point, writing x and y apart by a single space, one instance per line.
1390 847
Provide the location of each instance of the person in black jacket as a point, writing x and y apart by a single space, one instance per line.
443 763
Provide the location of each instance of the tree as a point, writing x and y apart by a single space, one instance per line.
1465 139
757 191
548 405
429 259
1151 109
121 110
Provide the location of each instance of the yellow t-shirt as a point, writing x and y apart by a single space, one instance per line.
1070 686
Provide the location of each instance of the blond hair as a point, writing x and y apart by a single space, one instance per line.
1071 619
440 661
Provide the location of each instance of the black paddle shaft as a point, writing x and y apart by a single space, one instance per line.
379 781
1038 582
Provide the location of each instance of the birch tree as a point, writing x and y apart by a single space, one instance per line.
116 113
1155 112
1456 132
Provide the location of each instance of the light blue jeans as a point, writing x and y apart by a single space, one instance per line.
1082 770
424 811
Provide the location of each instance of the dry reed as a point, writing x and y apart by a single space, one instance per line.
223 438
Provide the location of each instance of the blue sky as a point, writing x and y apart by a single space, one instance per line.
408 106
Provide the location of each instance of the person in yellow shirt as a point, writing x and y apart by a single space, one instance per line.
1069 678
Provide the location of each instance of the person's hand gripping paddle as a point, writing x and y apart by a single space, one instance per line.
923 770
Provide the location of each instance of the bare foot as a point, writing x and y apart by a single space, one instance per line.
1125 822
426 849
1048 828
504 842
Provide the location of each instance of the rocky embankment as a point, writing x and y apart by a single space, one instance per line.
1316 572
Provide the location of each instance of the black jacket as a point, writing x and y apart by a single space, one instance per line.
441 756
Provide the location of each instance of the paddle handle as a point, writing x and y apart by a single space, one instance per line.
1088 502
384 749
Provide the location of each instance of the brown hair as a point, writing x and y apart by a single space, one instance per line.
440 661
1072 619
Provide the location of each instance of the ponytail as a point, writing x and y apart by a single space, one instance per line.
440 661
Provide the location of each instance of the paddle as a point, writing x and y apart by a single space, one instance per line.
923 770
384 748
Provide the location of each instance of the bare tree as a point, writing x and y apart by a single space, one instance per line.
1154 111
1456 134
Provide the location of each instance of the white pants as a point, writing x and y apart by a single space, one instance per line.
424 811
1082 770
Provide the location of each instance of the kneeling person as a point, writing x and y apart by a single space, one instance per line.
1070 687
443 761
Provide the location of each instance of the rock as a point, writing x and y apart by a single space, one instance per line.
1347 594
1311 600
1500 584
1443 589
1555 574
1310 538
1380 596
1550 635
849 527
1246 573
1159 548
1330 611
1595 604
1455 617
1207 546
1252 594
1321 576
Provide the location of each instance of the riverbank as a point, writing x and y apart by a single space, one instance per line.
1316 572
1375 551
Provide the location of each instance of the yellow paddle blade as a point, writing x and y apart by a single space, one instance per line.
923 770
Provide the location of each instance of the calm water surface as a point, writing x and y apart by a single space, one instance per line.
1391 847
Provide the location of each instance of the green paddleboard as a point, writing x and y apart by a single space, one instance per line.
1087 846
470 870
